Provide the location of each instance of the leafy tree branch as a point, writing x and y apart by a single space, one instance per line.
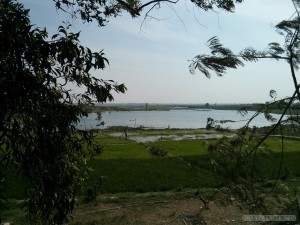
238 157
101 11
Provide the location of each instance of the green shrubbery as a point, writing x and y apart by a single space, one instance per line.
158 151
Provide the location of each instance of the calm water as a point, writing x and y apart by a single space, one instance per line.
171 119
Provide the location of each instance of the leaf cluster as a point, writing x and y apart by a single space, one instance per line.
100 11
219 61
221 58
38 113
227 5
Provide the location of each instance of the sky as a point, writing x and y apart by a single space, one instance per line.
152 57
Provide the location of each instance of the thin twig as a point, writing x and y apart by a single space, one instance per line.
146 16
297 202
264 138
170 6
205 202
197 19
274 127
281 159
151 17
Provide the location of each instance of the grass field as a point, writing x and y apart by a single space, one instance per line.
127 165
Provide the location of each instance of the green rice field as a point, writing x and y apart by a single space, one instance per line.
180 163
127 166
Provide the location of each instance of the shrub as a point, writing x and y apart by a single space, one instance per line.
157 151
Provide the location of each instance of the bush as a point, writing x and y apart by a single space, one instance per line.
157 151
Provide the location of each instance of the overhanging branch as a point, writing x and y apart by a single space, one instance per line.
136 11
155 1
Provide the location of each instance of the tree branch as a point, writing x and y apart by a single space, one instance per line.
290 48
136 11
155 1
274 128
269 57
147 15
294 77
129 8
177 16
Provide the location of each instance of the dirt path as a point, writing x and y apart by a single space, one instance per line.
153 210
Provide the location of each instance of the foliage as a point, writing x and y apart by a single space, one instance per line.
230 160
157 151
101 11
221 59
236 158
38 115
216 124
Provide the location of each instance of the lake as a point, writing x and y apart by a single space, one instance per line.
190 119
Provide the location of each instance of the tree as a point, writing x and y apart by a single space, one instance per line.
235 158
38 115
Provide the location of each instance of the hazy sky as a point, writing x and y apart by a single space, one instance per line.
152 58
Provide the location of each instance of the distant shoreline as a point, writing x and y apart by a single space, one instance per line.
168 107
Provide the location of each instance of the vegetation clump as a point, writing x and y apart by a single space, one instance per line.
158 151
